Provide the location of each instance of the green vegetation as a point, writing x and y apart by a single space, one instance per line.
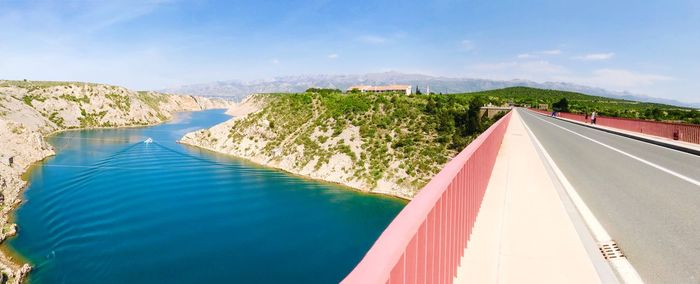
151 99
580 103
7 227
562 105
28 99
419 133
122 102
39 84
91 119
322 91
55 118
17 129
79 100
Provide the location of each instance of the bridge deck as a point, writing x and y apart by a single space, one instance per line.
645 196
523 233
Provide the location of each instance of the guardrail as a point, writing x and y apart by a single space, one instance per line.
676 131
425 242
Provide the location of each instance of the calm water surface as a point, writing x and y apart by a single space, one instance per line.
110 209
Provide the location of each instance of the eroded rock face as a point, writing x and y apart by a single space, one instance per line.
50 107
31 110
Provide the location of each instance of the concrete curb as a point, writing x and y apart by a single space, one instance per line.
590 230
589 235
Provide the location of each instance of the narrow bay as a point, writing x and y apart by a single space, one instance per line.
109 208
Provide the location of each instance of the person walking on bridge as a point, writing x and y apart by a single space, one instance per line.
593 118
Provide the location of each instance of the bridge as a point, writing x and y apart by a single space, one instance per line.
541 199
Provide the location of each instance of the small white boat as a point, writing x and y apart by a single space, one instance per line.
148 141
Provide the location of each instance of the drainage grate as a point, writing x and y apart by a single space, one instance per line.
610 250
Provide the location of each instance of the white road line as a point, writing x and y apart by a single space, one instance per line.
621 131
622 265
658 167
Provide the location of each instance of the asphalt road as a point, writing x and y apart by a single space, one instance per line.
652 208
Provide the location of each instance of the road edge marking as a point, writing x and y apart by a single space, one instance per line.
622 266
643 161
653 141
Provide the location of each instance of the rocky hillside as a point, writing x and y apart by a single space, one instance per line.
31 110
51 106
384 143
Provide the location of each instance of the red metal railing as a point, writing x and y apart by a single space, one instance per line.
677 131
425 242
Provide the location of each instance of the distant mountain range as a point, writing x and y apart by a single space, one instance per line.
238 90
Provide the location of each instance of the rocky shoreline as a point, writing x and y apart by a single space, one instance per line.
347 185
30 111
334 170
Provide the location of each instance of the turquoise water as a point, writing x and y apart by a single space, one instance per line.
110 209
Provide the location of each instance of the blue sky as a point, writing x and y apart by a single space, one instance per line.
647 47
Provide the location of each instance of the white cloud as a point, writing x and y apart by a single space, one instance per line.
536 54
467 45
275 61
46 18
617 79
542 71
105 16
372 39
535 70
596 56
550 52
332 56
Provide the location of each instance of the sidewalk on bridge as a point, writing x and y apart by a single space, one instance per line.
523 233
683 144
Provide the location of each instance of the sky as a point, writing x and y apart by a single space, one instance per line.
645 47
